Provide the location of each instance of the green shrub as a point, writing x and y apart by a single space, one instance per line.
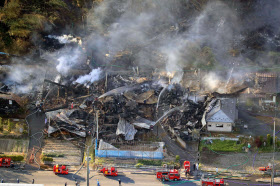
9 125
54 155
1 127
261 139
269 139
177 159
151 162
45 158
138 165
13 157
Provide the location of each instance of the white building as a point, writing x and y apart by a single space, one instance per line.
222 116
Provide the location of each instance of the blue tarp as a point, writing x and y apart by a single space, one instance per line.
129 154
4 53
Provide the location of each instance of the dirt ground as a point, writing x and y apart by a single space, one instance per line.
249 162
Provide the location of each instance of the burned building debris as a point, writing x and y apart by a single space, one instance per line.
69 122
10 104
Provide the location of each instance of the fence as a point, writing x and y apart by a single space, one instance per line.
129 154
107 150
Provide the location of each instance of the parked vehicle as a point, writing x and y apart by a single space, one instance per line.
265 168
170 175
60 169
112 171
6 162
212 182
187 167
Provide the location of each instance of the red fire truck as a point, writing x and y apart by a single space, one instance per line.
60 169
212 182
109 171
265 168
6 162
187 167
168 175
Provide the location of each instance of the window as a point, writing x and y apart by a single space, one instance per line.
220 125
164 173
209 125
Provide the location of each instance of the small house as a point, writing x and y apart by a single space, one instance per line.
222 116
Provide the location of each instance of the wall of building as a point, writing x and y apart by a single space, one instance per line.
219 127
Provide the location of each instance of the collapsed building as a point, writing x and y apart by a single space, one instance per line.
10 104
128 107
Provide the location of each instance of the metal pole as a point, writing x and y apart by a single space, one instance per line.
97 124
106 81
272 176
88 166
272 173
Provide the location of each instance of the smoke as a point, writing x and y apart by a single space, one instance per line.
93 76
212 82
173 36
64 39
24 79
154 31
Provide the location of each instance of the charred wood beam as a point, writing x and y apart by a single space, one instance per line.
57 108
49 81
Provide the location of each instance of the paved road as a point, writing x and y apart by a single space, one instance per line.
255 127
49 179
172 146
128 178
36 123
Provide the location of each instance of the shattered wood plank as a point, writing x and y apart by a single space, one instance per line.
49 81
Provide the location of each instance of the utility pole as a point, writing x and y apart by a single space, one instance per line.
88 166
97 124
272 173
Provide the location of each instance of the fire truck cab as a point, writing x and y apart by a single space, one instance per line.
264 168
212 182
171 175
60 169
187 167
109 171
5 162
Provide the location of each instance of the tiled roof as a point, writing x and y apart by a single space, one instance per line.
223 111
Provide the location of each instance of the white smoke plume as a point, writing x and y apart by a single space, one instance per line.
154 32
64 39
25 79
93 76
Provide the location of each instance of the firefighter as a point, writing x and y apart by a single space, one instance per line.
33 181
17 180
98 184
120 182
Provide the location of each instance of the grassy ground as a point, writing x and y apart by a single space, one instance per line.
222 146
14 145
12 127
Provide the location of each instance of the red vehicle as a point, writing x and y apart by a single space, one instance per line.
264 168
60 169
212 182
171 175
187 167
6 162
109 172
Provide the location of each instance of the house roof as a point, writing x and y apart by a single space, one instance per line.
268 83
223 111
12 96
